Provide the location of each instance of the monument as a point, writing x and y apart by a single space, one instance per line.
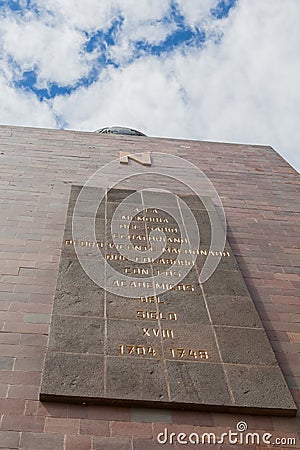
134 324
132 314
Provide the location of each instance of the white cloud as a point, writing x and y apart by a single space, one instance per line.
56 52
88 15
143 10
195 11
140 95
150 33
245 89
91 15
19 108
53 40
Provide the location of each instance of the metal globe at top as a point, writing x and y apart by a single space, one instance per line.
120 130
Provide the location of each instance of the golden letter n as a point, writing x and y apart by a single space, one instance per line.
142 158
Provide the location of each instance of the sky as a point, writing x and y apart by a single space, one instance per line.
216 70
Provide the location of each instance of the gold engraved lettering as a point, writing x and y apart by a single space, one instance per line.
141 248
147 284
144 248
166 261
128 225
143 271
141 158
138 237
172 316
163 261
151 351
117 257
183 287
181 262
156 219
165 333
161 228
153 315
139 350
136 271
177 240
193 251
180 353
167 273
151 299
203 354
151 210
193 354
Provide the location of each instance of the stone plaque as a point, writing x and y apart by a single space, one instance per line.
193 345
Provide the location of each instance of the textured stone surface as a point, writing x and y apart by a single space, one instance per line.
202 384
68 375
77 334
174 348
232 310
141 381
258 387
236 346
76 293
260 194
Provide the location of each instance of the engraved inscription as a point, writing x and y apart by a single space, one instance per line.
151 285
143 271
151 299
133 226
170 344
191 251
139 350
154 315
157 332
188 353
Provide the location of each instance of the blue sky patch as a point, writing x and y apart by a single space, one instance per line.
12 5
19 7
181 36
28 83
103 39
223 8
178 38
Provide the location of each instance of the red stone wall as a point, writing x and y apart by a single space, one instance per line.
260 193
